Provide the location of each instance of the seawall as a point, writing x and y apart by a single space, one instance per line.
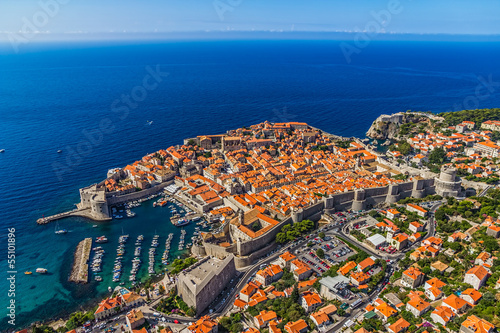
80 270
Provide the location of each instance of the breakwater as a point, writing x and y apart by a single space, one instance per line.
75 212
80 270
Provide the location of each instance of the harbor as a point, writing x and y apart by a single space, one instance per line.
80 270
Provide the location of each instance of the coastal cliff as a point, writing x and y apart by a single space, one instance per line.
394 126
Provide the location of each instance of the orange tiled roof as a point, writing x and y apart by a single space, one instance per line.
399 326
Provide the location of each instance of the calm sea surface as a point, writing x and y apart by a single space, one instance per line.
58 96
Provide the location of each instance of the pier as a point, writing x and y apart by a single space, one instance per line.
174 220
80 270
75 212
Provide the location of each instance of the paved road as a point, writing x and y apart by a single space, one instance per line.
228 304
396 257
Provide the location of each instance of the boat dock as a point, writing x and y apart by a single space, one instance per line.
75 212
190 218
80 270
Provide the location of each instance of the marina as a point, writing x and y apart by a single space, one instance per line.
122 238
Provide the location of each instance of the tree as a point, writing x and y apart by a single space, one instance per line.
295 294
320 253
322 235
437 156
340 312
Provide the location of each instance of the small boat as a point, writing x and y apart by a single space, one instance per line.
28 273
98 278
94 226
41 270
101 239
182 222
2 150
58 231
110 289
59 151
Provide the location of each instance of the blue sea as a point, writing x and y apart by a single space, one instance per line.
92 100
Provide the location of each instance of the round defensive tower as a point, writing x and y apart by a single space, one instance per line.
447 184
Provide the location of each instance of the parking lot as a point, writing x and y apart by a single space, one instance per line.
335 252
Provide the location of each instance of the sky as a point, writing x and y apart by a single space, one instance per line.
101 17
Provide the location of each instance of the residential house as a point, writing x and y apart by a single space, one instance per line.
400 241
442 315
299 326
412 277
393 213
399 326
366 264
320 319
310 301
455 303
135 318
417 306
269 275
286 259
204 325
476 276
264 318
493 230
417 209
247 291
108 307
471 296
415 227
384 310
474 324
301 270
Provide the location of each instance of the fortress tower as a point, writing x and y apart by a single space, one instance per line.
359 201
418 190
447 184
393 194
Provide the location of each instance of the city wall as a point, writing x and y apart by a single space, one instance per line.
116 200
247 252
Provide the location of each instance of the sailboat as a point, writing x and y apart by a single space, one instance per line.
60 231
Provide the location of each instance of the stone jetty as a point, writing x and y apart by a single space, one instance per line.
80 270
82 212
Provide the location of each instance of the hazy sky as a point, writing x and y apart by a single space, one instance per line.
105 16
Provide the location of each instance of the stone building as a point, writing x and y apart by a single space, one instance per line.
94 198
448 185
201 283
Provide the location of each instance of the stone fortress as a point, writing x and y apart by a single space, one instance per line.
251 234
248 247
